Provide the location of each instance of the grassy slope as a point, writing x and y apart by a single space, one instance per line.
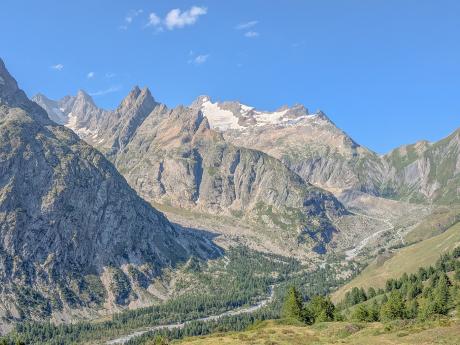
274 332
436 223
407 259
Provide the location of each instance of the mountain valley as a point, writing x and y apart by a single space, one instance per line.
148 210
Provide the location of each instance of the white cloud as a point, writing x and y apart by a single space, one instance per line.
154 20
251 34
131 15
111 89
90 75
130 18
247 25
177 19
198 59
58 67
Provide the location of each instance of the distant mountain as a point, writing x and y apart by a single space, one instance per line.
173 157
73 234
312 146
190 158
425 172
308 143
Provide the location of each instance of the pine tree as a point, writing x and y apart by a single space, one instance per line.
457 274
374 311
441 295
323 309
384 299
412 309
394 308
371 293
426 308
308 315
361 313
292 308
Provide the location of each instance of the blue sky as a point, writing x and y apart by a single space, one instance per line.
387 72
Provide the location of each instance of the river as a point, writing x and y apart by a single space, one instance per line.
237 311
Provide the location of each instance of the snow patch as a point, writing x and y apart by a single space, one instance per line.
219 118
269 118
82 131
223 120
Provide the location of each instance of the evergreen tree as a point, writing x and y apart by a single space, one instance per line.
323 309
422 274
308 315
374 311
457 274
384 299
426 308
371 293
456 253
441 294
412 309
394 308
292 308
361 313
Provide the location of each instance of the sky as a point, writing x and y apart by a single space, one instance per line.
385 71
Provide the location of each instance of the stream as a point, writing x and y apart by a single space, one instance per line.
233 312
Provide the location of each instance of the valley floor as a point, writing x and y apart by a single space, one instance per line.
278 333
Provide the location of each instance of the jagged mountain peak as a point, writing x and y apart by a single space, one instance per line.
66 212
136 92
82 95
8 84
137 99
198 102
12 96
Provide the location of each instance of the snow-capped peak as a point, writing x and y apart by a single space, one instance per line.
236 116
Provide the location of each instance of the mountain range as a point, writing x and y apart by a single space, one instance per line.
96 204
309 144
73 233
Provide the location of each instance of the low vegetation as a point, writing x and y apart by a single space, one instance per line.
405 260
413 307
241 278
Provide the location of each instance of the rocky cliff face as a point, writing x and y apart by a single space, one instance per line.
308 143
173 157
70 225
425 171
322 154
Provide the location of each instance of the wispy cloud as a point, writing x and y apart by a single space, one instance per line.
176 19
90 75
110 75
154 20
197 59
130 18
201 59
251 34
111 89
247 25
57 67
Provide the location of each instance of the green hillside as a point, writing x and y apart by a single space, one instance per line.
436 223
275 332
405 260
